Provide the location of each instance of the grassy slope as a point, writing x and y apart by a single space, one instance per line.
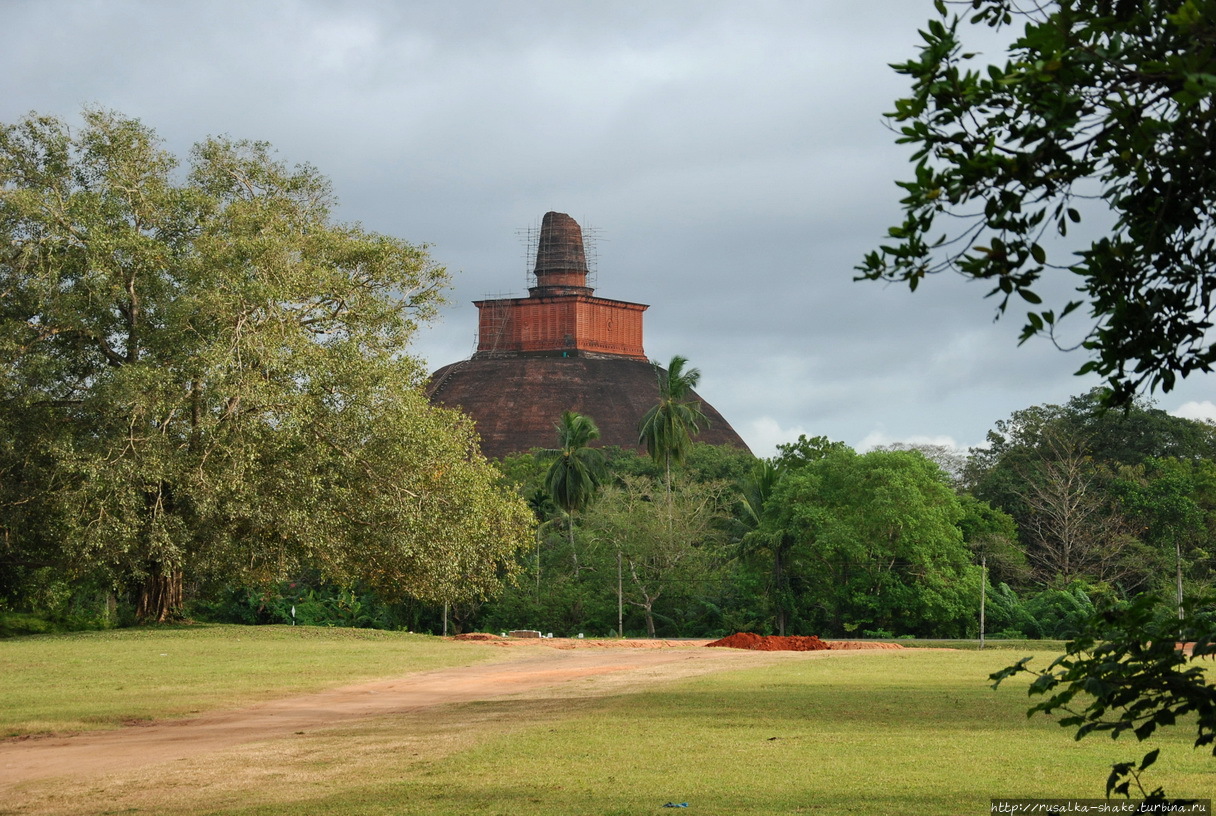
914 732
93 680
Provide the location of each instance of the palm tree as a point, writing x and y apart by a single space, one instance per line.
576 470
763 531
667 429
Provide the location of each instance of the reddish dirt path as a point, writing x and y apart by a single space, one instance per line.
526 669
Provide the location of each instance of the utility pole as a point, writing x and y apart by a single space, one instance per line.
983 593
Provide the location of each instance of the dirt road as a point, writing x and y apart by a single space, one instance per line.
524 670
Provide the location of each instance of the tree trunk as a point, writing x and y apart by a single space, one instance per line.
160 598
647 602
620 599
573 551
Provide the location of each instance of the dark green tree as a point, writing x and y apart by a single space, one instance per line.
761 536
765 531
1102 111
992 536
1165 499
1056 469
804 451
879 547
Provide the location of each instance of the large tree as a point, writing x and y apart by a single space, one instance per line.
765 532
667 548
879 547
1056 469
1103 112
203 375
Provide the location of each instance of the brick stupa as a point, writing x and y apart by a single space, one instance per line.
559 349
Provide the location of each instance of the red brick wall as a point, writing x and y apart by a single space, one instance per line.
567 323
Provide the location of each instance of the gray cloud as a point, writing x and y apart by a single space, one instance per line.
733 156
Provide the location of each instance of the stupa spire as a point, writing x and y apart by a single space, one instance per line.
561 260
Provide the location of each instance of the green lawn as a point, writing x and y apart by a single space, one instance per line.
913 732
916 731
90 680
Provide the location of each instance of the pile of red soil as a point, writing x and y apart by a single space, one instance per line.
795 643
771 643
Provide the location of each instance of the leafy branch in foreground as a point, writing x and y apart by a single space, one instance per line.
1101 112
1127 672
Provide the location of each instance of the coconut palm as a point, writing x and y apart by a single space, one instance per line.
667 429
764 532
575 470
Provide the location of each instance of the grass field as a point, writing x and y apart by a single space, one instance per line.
92 680
914 731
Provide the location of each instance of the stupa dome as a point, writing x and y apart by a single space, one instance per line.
559 349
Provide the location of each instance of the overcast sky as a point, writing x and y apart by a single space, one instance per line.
731 156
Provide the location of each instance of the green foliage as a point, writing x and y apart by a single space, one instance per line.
575 470
1129 436
704 463
667 429
1093 491
204 379
1171 503
45 602
804 451
1005 614
669 545
1124 674
552 596
878 544
992 536
1058 613
1090 103
564 604
764 535
1052 613
313 602
717 463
